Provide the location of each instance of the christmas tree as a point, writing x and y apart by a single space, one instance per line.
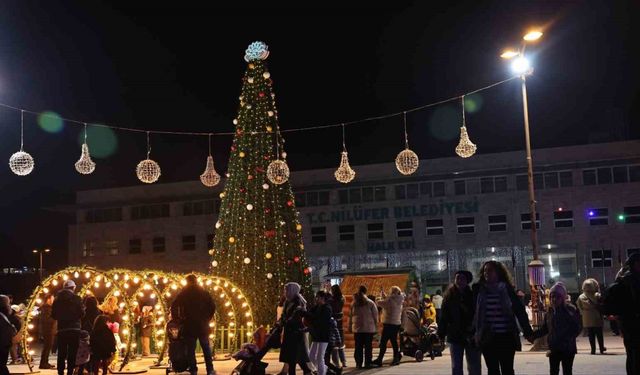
258 237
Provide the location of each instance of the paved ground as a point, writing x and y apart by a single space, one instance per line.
527 363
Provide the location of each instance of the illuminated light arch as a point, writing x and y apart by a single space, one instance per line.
232 307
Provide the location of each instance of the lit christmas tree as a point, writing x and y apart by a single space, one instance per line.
258 237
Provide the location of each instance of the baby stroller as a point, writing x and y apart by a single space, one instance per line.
415 340
178 358
251 354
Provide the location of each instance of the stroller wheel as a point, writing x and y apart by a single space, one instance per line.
419 355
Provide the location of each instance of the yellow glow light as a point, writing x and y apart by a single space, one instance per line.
136 280
65 277
87 274
116 293
509 54
30 326
125 317
54 282
532 35
121 305
76 274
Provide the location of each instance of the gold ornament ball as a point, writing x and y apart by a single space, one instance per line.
278 172
222 195
268 255
232 240
21 163
407 162
214 263
247 260
211 251
299 226
148 171
241 154
269 129
270 113
251 66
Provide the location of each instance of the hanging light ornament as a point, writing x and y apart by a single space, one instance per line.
278 170
210 177
148 171
85 165
465 148
21 163
344 173
407 161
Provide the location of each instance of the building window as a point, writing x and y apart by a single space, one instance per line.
301 200
194 208
149 211
210 238
466 225
413 191
435 227
566 179
460 187
551 180
486 185
601 258
620 175
497 223
367 194
438 189
538 181
599 216
425 189
562 219
318 234
312 198
589 177
404 229
525 221
634 173
633 251
135 246
158 244
604 176
632 215
356 195
401 192
375 231
500 184
380 193
112 247
88 249
343 196
346 232
188 243
522 182
104 215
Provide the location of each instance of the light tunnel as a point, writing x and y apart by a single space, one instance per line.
133 289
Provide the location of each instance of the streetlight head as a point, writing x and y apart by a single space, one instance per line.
532 36
47 250
521 65
509 54
34 251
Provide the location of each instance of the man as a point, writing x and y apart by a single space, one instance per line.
622 300
67 309
7 331
437 303
48 331
195 307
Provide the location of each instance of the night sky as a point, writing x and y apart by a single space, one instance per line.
178 67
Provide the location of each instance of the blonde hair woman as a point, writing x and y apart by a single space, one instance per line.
392 319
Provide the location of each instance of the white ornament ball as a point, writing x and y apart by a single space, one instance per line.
249 207
266 75
265 186
250 79
214 263
235 121
247 260
269 275
270 113
218 224
284 155
148 171
21 163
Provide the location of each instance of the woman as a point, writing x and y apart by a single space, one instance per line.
392 312
562 325
91 312
456 324
364 324
498 312
48 325
320 315
590 303
337 305
293 350
103 345
111 309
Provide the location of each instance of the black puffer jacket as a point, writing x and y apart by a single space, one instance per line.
456 321
563 324
196 306
67 309
320 322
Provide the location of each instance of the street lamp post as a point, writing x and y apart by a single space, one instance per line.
535 268
40 252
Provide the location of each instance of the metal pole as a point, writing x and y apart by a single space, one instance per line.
41 265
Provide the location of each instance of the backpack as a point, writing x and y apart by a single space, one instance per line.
177 347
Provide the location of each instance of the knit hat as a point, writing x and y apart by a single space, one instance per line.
558 288
69 284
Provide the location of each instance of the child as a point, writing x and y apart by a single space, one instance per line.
103 344
563 324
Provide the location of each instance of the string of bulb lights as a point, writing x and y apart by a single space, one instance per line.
148 171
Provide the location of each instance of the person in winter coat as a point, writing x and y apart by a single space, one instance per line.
293 349
91 312
498 313
7 331
196 307
428 311
320 315
590 305
337 305
146 326
48 331
436 299
562 324
623 301
364 323
392 319
103 345
456 324
334 341
16 320
67 309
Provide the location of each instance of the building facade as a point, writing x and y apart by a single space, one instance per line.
451 214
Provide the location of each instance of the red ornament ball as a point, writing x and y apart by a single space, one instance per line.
233 148
261 94
306 271
250 177
296 259
289 203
